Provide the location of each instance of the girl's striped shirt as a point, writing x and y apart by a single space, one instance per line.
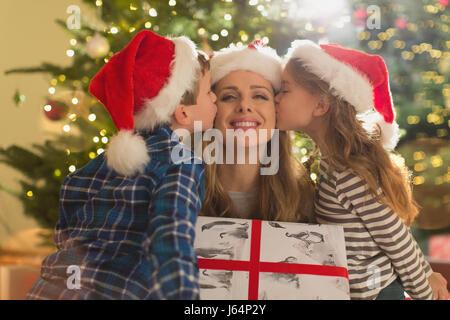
379 245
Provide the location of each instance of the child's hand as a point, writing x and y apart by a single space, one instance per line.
439 286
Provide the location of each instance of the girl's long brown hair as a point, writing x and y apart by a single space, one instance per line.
286 196
353 143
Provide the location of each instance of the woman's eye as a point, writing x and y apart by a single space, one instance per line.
260 96
227 97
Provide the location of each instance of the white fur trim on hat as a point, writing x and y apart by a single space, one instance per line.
184 74
127 153
263 60
345 82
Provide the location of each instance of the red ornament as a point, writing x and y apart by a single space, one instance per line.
401 23
360 16
443 2
55 110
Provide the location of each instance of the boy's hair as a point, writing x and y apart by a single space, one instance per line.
190 97
352 143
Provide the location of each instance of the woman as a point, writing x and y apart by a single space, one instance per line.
245 81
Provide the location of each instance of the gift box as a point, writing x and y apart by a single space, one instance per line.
242 259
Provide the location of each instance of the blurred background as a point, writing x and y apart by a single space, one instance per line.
50 125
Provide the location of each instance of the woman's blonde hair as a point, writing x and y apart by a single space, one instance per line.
286 196
353 143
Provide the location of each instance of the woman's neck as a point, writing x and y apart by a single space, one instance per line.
239 177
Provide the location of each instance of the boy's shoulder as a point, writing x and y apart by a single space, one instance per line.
165 146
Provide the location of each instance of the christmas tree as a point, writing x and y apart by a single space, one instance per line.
409 35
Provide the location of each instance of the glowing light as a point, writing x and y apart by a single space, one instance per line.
72 168
253 2
30 193
227 17
92 155
98 3
201 31
436 161
103 132
224 33
57 173
114 30
74 100
96 139
152 12
73 42
418 155
48 108
172 3
100 151
105 140
418 180
215 37
313 176
92 117
66 128
148 25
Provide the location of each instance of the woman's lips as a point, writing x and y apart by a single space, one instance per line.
245 124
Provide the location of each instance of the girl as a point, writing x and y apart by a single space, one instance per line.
361 186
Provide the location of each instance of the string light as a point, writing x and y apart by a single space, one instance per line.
114 30
100 151
96 139
66 128
172 3
152 12
92 117
51 90
48 108
72 168
74 100
148 25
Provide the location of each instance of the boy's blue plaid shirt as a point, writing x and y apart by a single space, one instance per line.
131 237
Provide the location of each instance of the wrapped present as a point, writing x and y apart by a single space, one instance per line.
242 259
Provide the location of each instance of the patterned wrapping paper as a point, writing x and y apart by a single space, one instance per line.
242 259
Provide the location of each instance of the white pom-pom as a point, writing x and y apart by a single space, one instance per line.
127 153
390 132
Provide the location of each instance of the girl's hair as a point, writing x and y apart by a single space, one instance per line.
353 143
286 196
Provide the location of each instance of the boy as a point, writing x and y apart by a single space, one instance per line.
126 226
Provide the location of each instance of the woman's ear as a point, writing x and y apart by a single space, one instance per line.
181 115
322 107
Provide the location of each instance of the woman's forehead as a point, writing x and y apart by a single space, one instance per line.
243 79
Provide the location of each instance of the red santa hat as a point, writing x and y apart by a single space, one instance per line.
141 86
357 77
256 57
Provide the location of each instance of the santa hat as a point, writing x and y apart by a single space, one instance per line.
357 77
256 57
141 86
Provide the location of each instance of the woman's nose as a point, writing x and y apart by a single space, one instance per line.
244 106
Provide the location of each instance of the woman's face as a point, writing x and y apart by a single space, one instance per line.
245 100
295 105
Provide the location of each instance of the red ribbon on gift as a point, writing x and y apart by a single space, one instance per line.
255 266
